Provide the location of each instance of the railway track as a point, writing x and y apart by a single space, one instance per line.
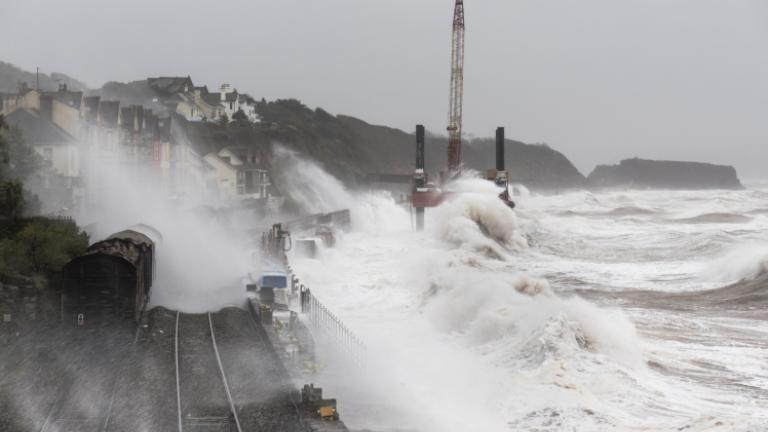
203 396
267 399
86 397
185 372
65 416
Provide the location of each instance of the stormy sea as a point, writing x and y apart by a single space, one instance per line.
579 311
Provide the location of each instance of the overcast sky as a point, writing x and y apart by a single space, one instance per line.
599 80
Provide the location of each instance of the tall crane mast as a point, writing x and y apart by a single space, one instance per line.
457 90
425 194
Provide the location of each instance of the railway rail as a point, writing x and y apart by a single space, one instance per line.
203 401
267 400
184 372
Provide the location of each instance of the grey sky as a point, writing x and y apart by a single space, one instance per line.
599 80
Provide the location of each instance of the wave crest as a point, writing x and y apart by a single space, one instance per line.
479 219
716 218
522 322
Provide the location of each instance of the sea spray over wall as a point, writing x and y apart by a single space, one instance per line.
306 183
316 191
201 258
487 301
451 320
477 217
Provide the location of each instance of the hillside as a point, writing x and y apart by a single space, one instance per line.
346 146
352 148
393 151
655 174
11 76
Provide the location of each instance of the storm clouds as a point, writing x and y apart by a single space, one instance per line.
599 80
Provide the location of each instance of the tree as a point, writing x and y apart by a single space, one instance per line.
11 191
19 160
223 120
3 142
240 116
11 205
29 245
43 246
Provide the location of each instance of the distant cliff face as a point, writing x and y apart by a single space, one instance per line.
649 174
351 149
393 151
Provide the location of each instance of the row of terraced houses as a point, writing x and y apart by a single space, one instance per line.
76 134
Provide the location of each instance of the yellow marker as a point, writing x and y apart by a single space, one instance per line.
327 412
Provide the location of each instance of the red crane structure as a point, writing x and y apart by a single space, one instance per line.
425 193
457 91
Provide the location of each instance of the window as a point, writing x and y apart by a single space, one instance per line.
250 183
48 156
274 281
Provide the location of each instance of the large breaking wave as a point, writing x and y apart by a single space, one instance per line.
479 312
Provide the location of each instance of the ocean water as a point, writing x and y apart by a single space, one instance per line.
579 311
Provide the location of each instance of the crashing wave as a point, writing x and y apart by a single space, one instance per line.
520 322
491 305
749 293
477 218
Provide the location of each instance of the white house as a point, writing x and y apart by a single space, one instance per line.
232 101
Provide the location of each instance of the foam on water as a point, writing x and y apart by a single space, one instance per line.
470 326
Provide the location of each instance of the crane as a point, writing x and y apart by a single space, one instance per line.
457 90
425 193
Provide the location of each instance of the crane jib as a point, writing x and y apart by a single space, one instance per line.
456 100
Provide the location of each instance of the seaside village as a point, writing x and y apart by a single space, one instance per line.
145 132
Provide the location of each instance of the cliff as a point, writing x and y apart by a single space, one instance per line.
392 151
351 149
654 174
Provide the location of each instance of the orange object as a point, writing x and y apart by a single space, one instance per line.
327 412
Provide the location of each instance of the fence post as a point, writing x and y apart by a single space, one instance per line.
321 317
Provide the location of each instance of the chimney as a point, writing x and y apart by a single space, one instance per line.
225 89
46 107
